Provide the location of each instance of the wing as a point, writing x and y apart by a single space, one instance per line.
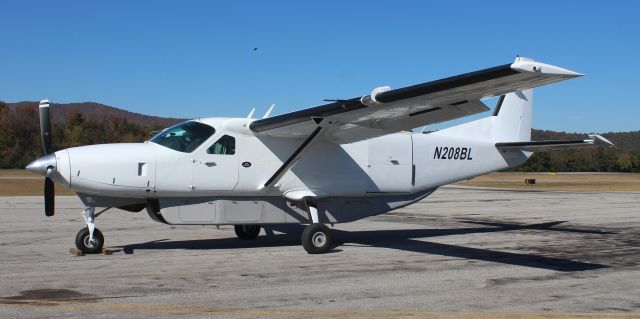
386 111
558 145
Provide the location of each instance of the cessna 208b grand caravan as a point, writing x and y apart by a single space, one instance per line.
334 163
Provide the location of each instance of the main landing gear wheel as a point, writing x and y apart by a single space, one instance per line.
85 245
317 238
246 232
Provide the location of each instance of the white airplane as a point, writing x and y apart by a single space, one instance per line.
334 163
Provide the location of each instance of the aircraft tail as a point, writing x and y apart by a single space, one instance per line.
512 117
510 122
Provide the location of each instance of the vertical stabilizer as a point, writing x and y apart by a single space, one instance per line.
512 121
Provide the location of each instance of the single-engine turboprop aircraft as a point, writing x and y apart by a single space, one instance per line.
334 163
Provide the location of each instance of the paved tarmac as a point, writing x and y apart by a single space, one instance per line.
460 253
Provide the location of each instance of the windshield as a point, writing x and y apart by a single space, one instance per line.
184 137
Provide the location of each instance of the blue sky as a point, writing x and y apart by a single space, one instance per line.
195 58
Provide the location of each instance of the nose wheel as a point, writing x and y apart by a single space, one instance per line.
85 244
90 240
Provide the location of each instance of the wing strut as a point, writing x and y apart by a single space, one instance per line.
296 154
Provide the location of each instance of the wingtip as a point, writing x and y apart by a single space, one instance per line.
522 64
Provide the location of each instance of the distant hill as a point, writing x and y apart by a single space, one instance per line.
73 124
629 141
96 111
76 124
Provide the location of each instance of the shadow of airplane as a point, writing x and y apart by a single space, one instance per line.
405 239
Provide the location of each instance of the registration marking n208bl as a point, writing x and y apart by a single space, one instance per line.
452 153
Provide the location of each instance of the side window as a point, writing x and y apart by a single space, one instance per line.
226 145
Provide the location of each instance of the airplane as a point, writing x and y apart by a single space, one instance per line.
334 163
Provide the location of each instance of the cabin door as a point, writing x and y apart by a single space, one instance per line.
216 167
390 164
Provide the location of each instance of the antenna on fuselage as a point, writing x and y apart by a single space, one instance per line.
266 115
251 113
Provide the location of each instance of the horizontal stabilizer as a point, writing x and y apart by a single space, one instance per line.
556 145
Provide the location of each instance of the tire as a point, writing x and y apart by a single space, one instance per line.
83 244
317 239
247 232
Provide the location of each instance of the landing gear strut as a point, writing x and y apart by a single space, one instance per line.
246 232
316 238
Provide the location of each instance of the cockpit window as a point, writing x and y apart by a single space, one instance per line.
184 137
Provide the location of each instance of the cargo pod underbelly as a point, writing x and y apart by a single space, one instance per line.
227 210
277 210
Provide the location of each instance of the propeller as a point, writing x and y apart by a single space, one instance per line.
48 197
45 126
45 133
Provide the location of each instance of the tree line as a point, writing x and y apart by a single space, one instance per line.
20 142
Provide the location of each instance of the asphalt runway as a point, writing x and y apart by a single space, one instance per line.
460 253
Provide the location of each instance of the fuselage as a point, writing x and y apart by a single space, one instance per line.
231 160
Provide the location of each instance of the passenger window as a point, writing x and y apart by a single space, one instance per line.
226 145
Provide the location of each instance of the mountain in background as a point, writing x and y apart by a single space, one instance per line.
96 111
76 124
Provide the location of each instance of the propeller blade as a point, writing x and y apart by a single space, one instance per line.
45 126
49 196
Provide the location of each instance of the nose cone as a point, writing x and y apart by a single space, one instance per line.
42 165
